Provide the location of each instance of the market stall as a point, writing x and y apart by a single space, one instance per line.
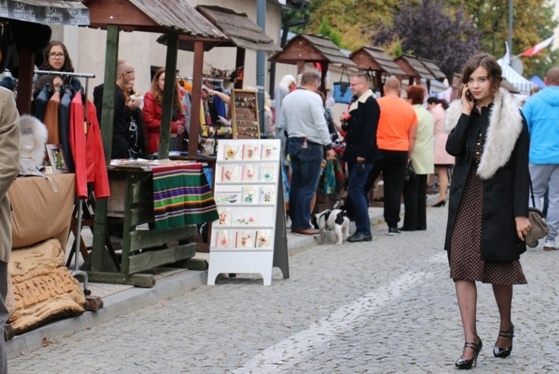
377 64
41 287
415 70
174 18
240 32
320 50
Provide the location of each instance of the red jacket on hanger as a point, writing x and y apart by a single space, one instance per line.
87 149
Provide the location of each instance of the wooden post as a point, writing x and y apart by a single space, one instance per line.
107 118
198 66
168 94
25 81
240 62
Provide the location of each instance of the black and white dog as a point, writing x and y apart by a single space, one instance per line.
332 219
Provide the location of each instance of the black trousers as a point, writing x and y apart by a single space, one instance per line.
393 166
415 202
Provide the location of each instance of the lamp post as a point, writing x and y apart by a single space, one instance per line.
510 27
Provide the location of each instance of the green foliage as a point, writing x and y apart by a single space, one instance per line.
358 21
326 30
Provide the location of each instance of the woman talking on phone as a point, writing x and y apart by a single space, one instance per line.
488 214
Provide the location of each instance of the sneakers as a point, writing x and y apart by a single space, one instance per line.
549 245
393 231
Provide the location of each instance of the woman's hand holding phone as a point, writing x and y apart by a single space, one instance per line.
468 100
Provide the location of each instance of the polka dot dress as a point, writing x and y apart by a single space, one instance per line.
465 255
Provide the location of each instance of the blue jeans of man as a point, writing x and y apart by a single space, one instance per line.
305 175
356 193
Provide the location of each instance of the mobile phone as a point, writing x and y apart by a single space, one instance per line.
468 95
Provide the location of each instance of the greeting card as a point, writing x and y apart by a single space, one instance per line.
245 219
267 194
231 152
268 173
223 239
224 216
230 173
245 239
251 151
250 173
250 195
227 197
264 239
270 152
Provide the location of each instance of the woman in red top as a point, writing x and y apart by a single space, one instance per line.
152 115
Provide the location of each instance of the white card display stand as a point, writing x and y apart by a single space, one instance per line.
250 234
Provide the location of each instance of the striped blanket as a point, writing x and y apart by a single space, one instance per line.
181 196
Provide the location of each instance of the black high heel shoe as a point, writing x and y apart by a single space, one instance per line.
504 352
441 203
468 364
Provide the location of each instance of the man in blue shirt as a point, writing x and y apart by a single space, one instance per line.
542 116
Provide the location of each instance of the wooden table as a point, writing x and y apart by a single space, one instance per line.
146 233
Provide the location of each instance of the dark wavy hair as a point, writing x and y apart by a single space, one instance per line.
489 63
68 66
416 94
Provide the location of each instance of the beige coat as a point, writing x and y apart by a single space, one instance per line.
9 166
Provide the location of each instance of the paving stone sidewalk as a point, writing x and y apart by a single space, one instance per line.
387 306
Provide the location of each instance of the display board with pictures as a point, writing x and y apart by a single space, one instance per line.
244 114
249 200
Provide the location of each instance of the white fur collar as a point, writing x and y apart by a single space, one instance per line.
505 126
361 99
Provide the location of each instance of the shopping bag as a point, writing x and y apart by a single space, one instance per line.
342 94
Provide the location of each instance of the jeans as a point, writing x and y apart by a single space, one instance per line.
305 175
356 193
547 177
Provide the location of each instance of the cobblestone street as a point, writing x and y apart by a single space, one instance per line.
383 307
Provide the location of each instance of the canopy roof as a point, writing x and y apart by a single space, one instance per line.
413 67
518 81
311 48
50 12
241 30
433 69
374 58
152 16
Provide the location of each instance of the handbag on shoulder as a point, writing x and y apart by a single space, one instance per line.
539 228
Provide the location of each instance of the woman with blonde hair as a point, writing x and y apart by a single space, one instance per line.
151 114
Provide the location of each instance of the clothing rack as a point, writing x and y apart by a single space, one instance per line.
211 80
77 271
64 73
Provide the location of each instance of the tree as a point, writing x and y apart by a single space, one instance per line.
326 30
355 20
432 31
533 22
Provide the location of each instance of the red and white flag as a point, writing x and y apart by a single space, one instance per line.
537 48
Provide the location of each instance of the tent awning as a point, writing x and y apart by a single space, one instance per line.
518 81
57 12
